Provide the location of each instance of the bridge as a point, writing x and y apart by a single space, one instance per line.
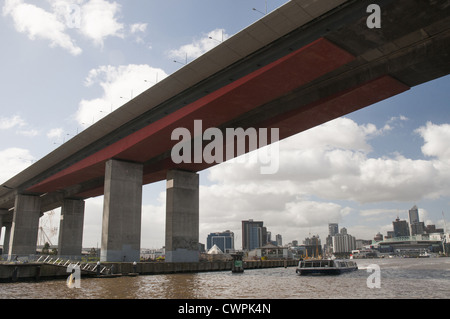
304 64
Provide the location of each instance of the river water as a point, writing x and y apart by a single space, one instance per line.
427 278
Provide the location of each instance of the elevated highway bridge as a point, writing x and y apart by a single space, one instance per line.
304 64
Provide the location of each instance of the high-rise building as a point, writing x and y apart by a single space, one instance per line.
223 240
401 228
413 215
417 227
343 242
333 229
254 234
279 240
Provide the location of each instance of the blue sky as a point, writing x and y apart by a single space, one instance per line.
58 77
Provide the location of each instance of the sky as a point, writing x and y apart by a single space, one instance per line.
65 64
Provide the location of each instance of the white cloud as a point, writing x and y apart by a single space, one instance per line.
55 133
10 122
332 161
94 19
99 20
38 23
12 161
119 84
322 166
20 124
199 46
28 133
138 27
437 140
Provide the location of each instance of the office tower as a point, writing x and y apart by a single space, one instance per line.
401 228
254 234
333 229
417 227
279 240
413 215
223 240
343 242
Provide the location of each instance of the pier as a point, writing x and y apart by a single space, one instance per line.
35 271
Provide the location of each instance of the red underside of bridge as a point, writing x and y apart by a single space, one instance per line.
231 101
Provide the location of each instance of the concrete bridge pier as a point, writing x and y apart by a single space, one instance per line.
182 216
25 225
122 207
71 228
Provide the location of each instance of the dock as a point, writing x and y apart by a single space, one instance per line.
41 271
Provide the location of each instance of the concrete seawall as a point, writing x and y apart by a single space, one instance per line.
12 272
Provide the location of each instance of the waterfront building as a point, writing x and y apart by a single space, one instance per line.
401 228
254 234
390 234
343 243
417 227
223 240
333 229
279 240
414 215
430 229
270 251
378 237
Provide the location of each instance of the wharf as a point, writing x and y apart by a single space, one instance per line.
35 271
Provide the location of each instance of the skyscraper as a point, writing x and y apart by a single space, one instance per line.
254 234
401 228
417 227
223 240
333 229
413 215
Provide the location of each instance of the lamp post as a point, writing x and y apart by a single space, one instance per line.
254 9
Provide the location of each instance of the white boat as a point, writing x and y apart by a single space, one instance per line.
325 267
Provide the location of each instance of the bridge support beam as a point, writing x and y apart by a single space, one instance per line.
182 217
25 226
71 228
122 207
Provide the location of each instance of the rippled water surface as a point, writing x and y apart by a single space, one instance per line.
400 278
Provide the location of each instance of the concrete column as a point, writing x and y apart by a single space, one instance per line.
182 217
71 228
25 225
121 228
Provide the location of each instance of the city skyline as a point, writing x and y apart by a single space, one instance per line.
361 170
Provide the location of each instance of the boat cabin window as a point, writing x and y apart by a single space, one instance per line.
316 263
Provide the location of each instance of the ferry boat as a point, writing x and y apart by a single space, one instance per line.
325 267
